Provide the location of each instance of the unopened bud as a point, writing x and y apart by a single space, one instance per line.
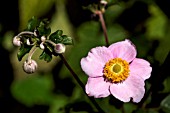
59 48
28 42
16 41
36 32
103 2
43 38
42 46
30 66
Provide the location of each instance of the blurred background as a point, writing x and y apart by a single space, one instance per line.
52 89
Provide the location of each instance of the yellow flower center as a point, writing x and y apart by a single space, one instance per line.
116 70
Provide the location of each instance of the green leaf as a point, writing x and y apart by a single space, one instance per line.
67 40
43 29
140 110
32 24
23 51
57 37
166 84
165 104
33 90
129 107
153 28
46 55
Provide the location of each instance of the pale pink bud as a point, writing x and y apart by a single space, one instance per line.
104 2
35 32
30 66
16 41
28 42
59 48
43 38
42 46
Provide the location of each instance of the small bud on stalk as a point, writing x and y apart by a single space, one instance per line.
59 48
42 46
103 2
43 38
28 42
16 41
30 66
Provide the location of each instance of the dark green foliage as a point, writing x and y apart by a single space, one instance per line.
58 37
24 49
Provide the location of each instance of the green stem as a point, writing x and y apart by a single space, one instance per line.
25 32
33 49
51 42
80 83
100 14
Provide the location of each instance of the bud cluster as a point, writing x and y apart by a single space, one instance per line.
37 35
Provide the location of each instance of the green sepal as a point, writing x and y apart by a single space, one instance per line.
24 49
57 37
46 55
33 23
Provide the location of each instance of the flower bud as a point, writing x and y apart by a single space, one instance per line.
16 41
43 38
30 66
36 32
59 48
103 2
28 42
42 46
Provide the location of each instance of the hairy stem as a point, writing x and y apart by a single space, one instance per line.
80 83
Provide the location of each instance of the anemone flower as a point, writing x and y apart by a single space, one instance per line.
116 70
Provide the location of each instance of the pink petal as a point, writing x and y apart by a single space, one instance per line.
132 87
94 63
141 67
124 49
97 87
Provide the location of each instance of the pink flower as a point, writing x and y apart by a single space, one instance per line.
116 70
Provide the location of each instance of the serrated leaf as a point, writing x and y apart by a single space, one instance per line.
23 51
46 55
57 37
32 24
43 29
67 40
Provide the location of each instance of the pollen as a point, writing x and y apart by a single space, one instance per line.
116 70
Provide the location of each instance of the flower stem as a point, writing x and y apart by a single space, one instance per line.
33 49
80 83
51 42
100 14
25 32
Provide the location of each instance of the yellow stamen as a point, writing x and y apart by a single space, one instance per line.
116 70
